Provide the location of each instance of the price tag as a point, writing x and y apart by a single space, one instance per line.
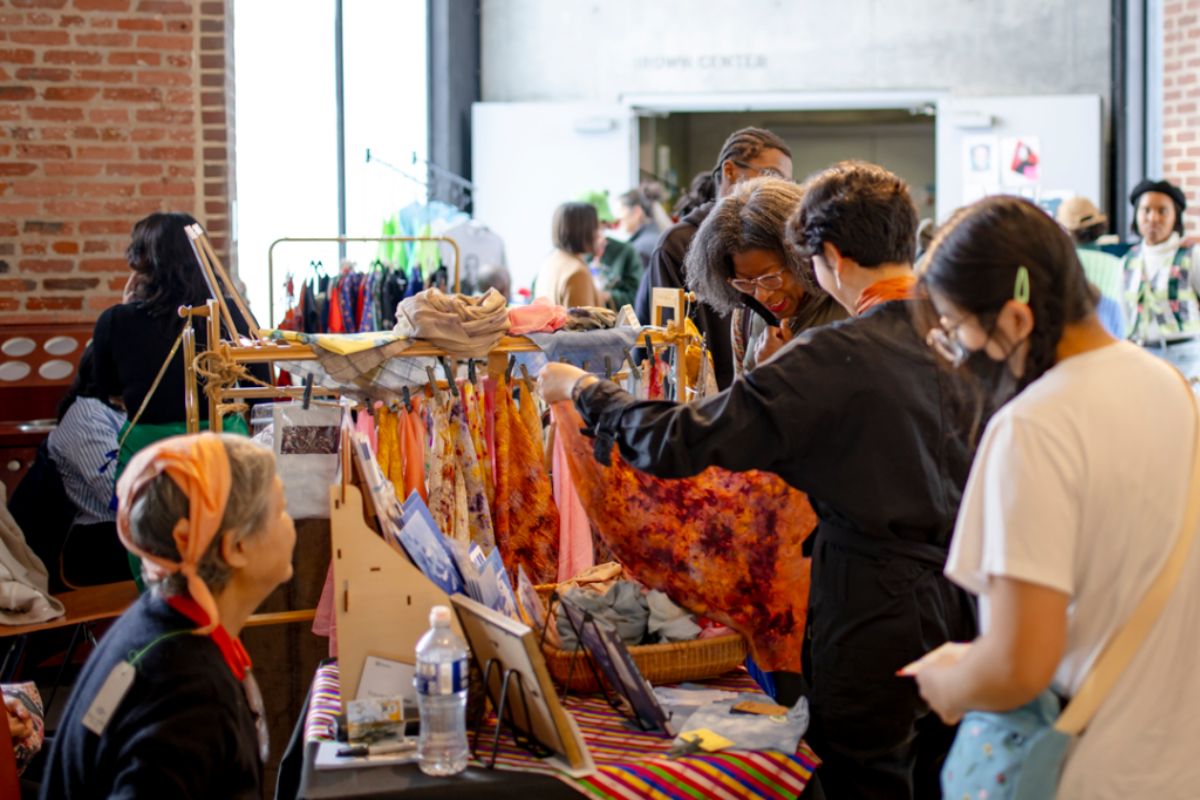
109 698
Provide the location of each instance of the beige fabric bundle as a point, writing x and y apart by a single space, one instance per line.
24 582
466 327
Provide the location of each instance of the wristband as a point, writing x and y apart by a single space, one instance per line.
579 386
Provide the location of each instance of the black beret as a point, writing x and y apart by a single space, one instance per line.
1170 190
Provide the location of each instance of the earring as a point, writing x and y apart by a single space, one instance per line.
837 276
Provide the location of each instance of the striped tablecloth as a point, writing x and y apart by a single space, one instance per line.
629 764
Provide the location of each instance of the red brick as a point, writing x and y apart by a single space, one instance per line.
35 151
72 169
176 171
187 205
10 113
212 118
106 264
117 284
104 39
56 114
108 115
135 59
100 227
182 135
212 61
11 20
66 248
9 304
70 94
42 188
43 228
43 265
212 79
214 208
102 302
140 24
215 154
165 115
103 76
156 78
212 26
105 189
40 37
180 60
18 209
53 134
68 208
213 99
155 42
133 95
165 189
214 134
179 26
17 285
16 56
105 153
11 93
70 20
69 284
35 74
14 169
148 135
139 207
53 303
166 153
102 5
39 18
145 170
94 246
102 22
71 57
209 43
212 9
32 249
214 190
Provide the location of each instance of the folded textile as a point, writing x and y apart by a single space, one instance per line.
624 605
467 327
24 582
668 622
540 316
590 318
382 383
579 346
751 731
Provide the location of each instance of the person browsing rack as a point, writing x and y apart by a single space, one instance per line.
565 278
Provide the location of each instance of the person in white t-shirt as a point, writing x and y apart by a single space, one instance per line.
1074 502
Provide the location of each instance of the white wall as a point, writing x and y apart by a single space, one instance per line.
569 50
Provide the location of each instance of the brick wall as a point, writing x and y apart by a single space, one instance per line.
109 110
1181 91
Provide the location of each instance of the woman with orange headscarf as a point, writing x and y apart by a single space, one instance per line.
167 706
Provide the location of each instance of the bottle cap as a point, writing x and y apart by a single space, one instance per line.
439 617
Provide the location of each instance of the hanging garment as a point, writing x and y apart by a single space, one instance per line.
365 424
467 327
532 420
724 545
412 445
575 551
347 299
336 322
388 452
469 469
442 478
473 411
527 521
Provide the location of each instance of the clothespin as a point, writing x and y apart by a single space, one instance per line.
649 346
437 393
608 368
471 371
512 362
449 376
528 380
308 387
637 373
587 366
407 400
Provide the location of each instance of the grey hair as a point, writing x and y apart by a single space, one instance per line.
753 217
161 504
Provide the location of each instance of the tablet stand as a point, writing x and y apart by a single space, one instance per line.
621 692
526 740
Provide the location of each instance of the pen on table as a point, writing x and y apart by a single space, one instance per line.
376 749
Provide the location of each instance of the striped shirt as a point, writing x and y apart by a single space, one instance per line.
79 447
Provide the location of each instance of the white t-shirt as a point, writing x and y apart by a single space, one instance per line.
1080 484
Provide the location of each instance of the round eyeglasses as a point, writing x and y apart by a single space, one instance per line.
944 341
771 281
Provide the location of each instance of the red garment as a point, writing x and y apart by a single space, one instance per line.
231 649
724 545
412 450
526 519
336 323
892 289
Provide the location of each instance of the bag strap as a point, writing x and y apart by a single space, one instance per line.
1122 647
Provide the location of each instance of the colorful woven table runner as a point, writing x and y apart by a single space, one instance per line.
629 764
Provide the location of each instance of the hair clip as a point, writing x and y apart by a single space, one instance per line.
1021 291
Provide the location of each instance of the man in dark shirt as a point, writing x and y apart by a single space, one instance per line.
748 153
859 415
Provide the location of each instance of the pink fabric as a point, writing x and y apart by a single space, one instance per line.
365 423
540 316
575 552
325 622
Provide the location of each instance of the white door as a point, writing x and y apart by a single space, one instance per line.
527 158
1044 148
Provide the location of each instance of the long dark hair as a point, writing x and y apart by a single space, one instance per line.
703 189
974 260
168 274
84 384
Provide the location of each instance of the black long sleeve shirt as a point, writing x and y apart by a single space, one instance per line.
856 414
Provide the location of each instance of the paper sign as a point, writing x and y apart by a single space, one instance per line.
384 679
981 159
1020 160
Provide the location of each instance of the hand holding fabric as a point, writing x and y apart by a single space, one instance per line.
556 381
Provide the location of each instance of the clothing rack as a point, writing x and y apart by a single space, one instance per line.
460 189
343 240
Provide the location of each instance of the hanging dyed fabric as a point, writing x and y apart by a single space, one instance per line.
469 471
575 550
526 518
532 420
388 452
412 439
473 410
725 545
442 478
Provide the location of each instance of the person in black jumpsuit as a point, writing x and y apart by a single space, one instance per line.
748 153
859 416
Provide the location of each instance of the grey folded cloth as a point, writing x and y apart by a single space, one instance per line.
467 327
589 318
668 622
623 605
579 346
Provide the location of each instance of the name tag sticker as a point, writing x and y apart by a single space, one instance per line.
109 698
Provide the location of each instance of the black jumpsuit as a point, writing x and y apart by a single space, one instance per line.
859 416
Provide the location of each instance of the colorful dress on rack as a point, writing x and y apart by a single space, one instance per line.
457 498
473 402
724 545
526 516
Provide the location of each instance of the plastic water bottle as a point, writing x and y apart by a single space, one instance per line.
442 695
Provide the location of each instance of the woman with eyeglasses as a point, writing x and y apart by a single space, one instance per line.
167 706
740 263
1076 498
859 416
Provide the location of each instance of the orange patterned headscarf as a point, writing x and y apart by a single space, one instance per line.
199 466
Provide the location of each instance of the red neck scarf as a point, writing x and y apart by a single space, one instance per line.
883 291
231 649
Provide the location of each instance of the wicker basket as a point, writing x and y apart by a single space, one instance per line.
659 663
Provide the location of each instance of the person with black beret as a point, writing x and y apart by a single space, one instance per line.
1161 286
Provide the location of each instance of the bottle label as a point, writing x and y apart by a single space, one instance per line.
442 679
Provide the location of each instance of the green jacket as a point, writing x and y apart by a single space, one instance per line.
621 270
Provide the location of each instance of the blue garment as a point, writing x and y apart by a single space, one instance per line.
80 448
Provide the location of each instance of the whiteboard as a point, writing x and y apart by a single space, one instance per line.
1069 129
527 158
